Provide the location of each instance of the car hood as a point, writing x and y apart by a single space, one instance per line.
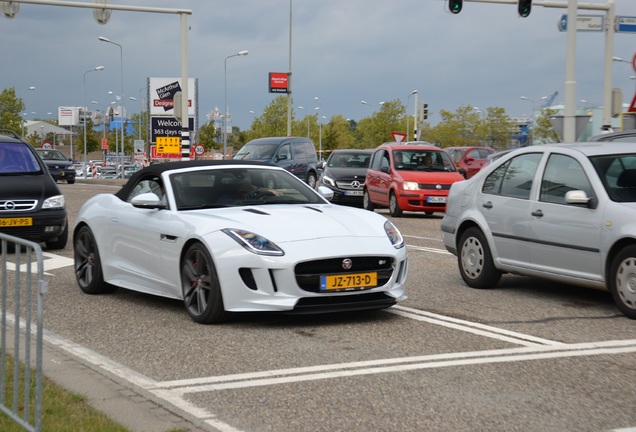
442 177
36 187
336 172
281 223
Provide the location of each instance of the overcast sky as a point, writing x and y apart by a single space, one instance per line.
343 52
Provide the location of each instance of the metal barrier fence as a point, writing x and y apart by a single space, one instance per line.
23 289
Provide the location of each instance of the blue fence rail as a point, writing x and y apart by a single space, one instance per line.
23 289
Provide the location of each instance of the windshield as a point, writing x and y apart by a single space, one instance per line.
349 160
229 187
618 175
422 160
16 158
256 151
51 154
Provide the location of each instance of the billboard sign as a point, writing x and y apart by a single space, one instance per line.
278 82
68 116
162 91
167 127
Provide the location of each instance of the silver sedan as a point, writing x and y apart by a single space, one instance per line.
563 212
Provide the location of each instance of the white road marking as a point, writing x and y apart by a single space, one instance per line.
427 249
50 262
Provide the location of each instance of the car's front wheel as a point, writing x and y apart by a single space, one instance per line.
475 260
622 281
200 284
366 201
394 207
311 180
88 266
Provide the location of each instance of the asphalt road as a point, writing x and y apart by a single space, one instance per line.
529 355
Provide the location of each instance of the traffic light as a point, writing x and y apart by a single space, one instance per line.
455 6
524 7
425 111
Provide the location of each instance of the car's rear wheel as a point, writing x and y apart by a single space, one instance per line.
88 266
475 260
622 281
71 182
200 284
366 201
394 207
60 241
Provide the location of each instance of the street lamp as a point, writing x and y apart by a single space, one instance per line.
534 116
31 88
121 63
224 119
407 114
96 69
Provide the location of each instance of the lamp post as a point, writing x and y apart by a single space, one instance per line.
224 119
121 64
96 69
31 88
534 117
407 114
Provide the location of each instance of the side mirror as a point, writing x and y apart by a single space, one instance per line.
325 192
147 200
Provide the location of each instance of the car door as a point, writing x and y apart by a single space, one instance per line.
567 237
284 158
378 179
505 205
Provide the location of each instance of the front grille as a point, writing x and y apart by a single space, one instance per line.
418 203
308 273
434 186
30 232
349 184
17 205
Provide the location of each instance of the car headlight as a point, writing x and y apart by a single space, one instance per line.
328 181
394 235
407 185
253 242
54 202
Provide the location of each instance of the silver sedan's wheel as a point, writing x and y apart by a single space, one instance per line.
475 260
622 281
200 284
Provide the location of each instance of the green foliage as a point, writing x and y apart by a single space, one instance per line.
208 136
467 127
544 132
11 108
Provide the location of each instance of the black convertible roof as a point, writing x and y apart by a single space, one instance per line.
158 169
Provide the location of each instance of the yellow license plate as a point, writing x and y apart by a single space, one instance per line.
16 222
348 281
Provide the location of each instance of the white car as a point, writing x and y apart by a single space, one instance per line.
235 236
564 212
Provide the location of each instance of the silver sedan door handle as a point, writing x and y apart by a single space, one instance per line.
537 213
487 205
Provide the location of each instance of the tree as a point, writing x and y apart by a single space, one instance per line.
273 121
208 136
543 131
11 108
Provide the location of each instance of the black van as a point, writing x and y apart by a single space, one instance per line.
295 154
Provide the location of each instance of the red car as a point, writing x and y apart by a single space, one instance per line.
411 177
469 160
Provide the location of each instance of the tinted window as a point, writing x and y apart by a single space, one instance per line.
618 175
17 158
563 174
514 178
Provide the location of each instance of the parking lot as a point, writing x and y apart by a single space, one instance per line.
528 355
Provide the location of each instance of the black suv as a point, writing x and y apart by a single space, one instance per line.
31 205
59 167
296 154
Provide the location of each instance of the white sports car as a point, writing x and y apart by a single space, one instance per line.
236 236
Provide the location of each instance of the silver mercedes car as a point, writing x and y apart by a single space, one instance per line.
563 212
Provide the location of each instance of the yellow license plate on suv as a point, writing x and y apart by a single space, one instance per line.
16 222
348 281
